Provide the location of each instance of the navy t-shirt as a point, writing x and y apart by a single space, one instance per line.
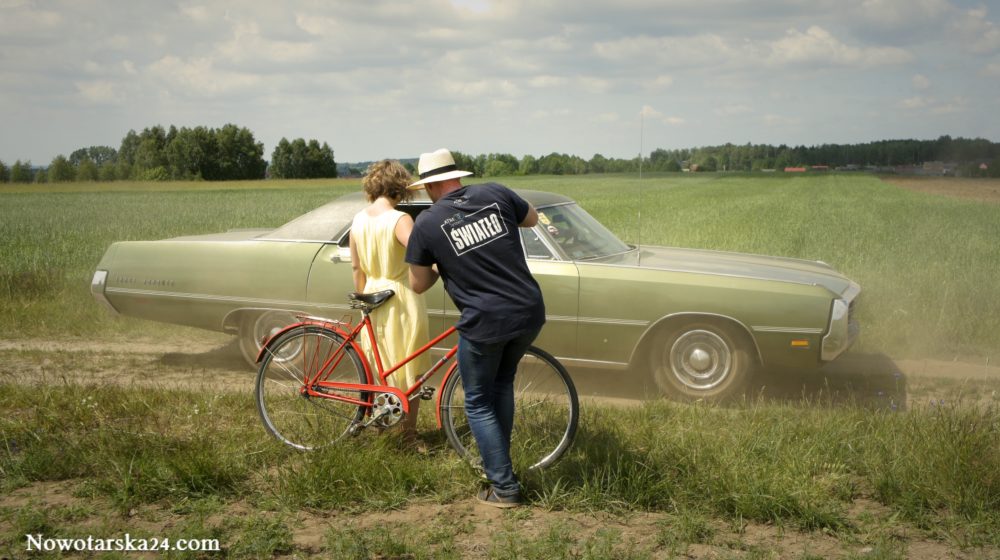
472 236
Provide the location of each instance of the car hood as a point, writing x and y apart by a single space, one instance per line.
761 267
231 235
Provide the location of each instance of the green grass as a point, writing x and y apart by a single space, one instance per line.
800 466
927 264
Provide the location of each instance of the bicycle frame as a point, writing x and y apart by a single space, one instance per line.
376 383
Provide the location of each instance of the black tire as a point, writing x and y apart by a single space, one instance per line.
256 328
701 361
304 422
547 412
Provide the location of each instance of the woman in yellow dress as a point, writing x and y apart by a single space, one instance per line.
379 235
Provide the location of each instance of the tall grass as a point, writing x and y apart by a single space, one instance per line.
795 465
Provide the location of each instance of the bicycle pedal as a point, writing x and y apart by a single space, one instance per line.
355 429
427 393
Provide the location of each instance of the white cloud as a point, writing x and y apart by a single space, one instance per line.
732 110
991 70
546 81
981 36
592 84
98 91
199 77
816 46
920 81
916 102
661 82
819 46
198 14
606 118
898 12
647 112
931 105
316 25
772 120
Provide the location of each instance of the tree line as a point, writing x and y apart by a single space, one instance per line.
199 153
232 153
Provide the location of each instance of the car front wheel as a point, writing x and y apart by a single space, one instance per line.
256 328
701 361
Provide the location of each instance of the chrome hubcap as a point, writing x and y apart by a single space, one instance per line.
700 359
269 324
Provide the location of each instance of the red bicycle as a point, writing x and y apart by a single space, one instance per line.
315 386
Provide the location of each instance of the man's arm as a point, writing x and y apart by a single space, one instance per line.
531 218
422 278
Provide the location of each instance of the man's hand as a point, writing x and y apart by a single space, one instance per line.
422 278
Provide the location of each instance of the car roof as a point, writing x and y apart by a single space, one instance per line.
536 198
328 222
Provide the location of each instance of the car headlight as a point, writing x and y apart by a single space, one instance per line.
97 285
837 338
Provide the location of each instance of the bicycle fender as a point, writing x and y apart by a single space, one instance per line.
444 381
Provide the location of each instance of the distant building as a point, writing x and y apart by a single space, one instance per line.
795 170
820 167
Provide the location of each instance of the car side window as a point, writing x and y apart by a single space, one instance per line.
534 248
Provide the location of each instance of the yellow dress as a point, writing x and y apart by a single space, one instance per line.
401 322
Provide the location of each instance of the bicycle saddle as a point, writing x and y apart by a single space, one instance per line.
373 299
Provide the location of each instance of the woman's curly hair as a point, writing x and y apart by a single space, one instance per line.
387 178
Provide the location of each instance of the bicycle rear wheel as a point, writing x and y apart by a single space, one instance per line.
294 418
546 414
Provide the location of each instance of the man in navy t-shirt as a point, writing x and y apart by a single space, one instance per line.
471 234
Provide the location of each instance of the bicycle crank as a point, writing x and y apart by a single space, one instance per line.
387 410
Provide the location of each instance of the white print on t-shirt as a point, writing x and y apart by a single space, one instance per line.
475 230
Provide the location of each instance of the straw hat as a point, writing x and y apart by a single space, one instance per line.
438 165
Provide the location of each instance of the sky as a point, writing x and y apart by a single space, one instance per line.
377 79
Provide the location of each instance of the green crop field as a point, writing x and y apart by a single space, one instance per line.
98 441
927 264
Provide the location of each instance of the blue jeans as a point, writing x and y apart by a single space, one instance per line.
487 371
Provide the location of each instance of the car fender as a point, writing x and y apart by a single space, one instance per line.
324 323
688 316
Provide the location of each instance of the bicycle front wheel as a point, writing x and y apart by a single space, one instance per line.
546 412
289 414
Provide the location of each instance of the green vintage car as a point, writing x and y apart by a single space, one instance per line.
694 323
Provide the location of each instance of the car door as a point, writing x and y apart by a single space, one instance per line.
331 280
559 281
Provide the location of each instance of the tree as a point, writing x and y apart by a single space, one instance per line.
21 172
60 170
529 165
239 156
301 160
466 163
97 154
598 164
107 172
86 170
4 173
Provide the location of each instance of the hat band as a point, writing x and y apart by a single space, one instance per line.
438 171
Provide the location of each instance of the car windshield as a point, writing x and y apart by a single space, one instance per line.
578 234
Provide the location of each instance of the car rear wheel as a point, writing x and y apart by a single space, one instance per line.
701 361
256 328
